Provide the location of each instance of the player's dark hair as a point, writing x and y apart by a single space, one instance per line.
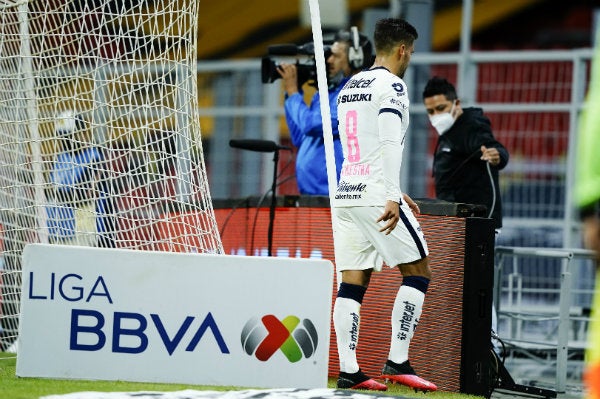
438 85
389 32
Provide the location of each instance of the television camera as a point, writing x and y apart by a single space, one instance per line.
305 65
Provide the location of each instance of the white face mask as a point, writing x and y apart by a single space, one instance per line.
443 122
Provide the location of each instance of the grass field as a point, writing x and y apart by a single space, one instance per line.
12 387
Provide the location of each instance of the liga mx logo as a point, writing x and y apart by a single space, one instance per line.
262 337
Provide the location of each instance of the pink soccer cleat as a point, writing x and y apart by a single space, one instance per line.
359 380
404 374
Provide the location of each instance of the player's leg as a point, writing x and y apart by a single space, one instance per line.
408 306
346 320
346 311
406 247
406 312
346 316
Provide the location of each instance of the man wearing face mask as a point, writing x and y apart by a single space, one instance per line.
350 53
467 157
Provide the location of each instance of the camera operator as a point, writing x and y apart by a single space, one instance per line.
350 52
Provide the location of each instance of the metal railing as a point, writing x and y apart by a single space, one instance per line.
519 300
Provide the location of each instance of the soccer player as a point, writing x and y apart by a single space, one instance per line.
373 223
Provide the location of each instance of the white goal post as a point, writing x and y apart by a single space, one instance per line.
99 132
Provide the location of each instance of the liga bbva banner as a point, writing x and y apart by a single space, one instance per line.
112 314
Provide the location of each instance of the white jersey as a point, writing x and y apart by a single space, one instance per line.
373 121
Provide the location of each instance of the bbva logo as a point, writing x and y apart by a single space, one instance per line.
262 337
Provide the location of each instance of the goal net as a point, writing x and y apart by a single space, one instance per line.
99 132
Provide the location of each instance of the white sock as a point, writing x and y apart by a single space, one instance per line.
405 318
346 320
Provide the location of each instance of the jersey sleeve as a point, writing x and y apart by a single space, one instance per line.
393 123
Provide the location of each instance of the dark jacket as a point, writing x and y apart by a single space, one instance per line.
460 175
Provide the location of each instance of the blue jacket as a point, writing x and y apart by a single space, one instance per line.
306 130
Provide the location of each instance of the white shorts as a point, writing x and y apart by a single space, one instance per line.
359 245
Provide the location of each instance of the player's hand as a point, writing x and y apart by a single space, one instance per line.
411 204
391 215
490 155
289 74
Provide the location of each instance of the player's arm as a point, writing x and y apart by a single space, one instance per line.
391 149
391 136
